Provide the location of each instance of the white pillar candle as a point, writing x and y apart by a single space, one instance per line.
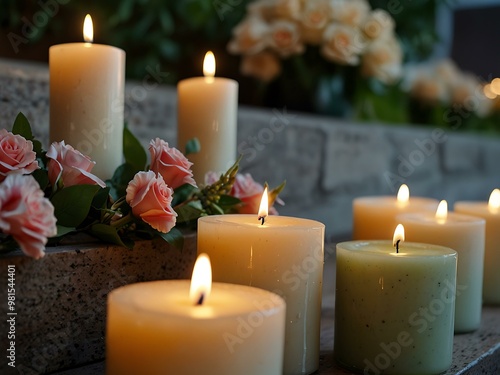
466 235
394 311
283 255
374 218
157 328
87 83
207 110
491 213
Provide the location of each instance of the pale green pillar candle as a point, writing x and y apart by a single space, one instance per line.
394 311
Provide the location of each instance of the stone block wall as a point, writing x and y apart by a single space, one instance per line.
326 162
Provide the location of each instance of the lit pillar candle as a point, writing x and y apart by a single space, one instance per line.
374 218
207 110
87 83
491 213
174 327
394 310
279 254
466 235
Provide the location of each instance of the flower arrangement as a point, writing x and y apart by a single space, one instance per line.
345 32
48 195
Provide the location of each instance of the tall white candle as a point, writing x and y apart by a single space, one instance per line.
87 83
207 110
283 255
394 311
374 218
158 328
491 213
466 235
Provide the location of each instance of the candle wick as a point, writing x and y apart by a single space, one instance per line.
397 246
200 300
262 218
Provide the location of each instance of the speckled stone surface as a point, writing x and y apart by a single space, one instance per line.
61 298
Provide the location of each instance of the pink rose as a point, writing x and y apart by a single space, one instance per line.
150 199
247 190
171 164
26 214
16 155
71 166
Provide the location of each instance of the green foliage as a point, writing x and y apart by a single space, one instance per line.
72 204
133 152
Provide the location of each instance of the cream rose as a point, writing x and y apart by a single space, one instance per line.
16 155
264 66
249 37
378 24
342 44
314 20
150 199
350 12
285 38
382 60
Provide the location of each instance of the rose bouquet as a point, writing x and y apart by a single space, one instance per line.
48 195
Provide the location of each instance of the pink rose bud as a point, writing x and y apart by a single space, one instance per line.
26 214
71 166
171 164
16 155
150 199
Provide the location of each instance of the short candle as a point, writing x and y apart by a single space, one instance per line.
491 213
283 255
394 310
466 235
374 218
174 327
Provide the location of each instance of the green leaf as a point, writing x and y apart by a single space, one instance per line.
41 176
101 198
109 234
182 193
22 127
62 230
119 182
134 153
191 211
228 201
192 146
174 238
72 204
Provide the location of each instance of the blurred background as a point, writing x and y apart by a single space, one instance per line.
437 55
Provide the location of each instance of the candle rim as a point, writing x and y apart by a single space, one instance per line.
453 218
480 205
271 221
405 248
120 298
389 199
90 45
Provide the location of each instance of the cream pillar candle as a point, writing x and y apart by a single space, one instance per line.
491 213
374 218
207 110
283 255
394 311
157 328
87 83
466 235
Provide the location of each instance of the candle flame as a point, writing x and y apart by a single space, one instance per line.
399 236
264 209
403 195
442 212
209 65
88 29
201 281
494 202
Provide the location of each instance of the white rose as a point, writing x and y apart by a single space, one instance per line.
420 81
378 24
264 66
249 37
289 9
265 9
314 21
285 38
342 44
382 60
464 89
350 12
